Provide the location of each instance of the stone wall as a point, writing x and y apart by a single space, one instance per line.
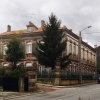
65 82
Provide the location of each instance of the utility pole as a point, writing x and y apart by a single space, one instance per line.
79 59
79 55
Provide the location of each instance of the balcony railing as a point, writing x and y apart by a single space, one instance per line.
74 57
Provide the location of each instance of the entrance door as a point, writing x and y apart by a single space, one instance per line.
26 84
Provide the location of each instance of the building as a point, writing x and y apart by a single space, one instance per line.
88 54
32 34
97 48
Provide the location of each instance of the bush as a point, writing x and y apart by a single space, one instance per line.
19 71
87 76
2 72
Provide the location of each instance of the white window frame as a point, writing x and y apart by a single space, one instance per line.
29 47
70 48
74 48
30 29
83 54
4 49
5 65
87 56
29 64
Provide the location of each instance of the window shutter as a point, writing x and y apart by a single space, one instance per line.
34 45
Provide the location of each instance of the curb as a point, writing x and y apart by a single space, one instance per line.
79 85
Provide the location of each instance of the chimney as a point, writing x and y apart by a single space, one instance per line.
64 27
8 28
42 23
30 23
86 42
70 30
95 46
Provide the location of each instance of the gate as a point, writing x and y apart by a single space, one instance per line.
10 83
26 84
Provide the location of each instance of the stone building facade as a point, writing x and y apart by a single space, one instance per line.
32 34
97 48
88 54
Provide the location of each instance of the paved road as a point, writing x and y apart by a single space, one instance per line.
85 92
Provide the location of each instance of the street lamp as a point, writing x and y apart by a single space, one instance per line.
79 55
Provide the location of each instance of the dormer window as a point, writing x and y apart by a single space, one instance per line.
30 29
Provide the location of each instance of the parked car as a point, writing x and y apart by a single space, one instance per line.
99 80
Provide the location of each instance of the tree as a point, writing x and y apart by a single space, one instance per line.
1 75
51 46
64 61
15 50
98 67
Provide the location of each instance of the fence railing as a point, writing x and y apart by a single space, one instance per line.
66 75
46 74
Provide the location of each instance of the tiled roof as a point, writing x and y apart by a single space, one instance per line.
22 31
12 32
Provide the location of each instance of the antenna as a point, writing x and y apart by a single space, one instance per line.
31 16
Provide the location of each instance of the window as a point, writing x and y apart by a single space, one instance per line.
91 56
87 56
28 64
70 48
74 50
29 47
4 48
83 54
42 42
30 29
5 65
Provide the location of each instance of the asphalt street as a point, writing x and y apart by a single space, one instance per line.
89 92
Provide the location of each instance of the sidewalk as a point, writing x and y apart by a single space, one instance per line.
70 86
43 88
77 85
12 95
51 88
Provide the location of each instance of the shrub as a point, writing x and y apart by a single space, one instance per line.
1 74
19 71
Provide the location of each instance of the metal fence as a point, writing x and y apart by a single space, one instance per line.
46 74
66 75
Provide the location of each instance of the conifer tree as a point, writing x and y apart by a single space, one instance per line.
51 46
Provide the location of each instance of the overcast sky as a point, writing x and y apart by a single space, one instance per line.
75 14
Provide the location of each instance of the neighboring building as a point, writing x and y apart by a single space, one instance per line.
97 48
32 34
88 54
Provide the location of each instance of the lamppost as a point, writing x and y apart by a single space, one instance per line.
79 55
